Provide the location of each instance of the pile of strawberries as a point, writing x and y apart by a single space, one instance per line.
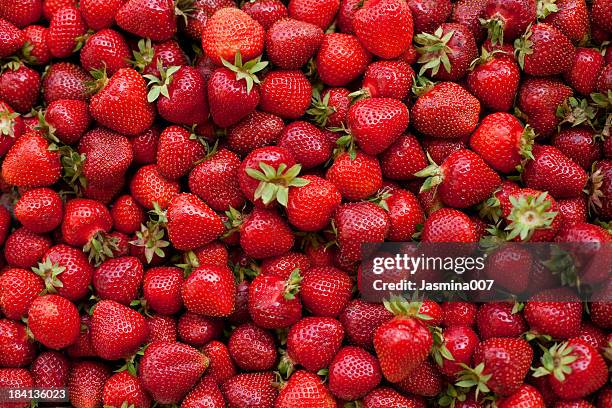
187 185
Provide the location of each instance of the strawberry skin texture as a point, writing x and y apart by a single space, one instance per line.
65 27
353 373
86 383
538 99
152 19
116 330
356 178
311 207
449 225
314 341
29 163
495 83
498 140
17 349
54 321
305 389
341 59
290 43
286 94
125 387
210 291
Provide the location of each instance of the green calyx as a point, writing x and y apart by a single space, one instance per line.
233 222
399 306
246 72
451 395
26 53
434 175
159 85
546 8
474 377
320 109
381 197
359 94
151 238
143 57
50 273
190 262
100 248
595 193
72 166
526 143
523 46
576 111
563 264
7 122
184 9
421 85
556 361
495 29
602 100
292 287
529 213
434 51
440 352
286 366
490 209
274 183
46 128
100 79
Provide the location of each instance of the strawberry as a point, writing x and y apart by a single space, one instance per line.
252 348
198 16
286 94
65 29
40 210
15 378
358 223
250 389
526 396
448 225
258 129
30 163
154 19
283 265
356 178
502 141
205 393
221 367
125 388
571 17
18 288
319 13
579 144
494 80
585 69
384 27
162 289
210 291
425 380
305 389
256 236
573 404
12 38
538 100
310 207
506 21
556 312
144 146
291 43
230 31
169 370
24 248
51 6
127 215
36 50
384 397
499 320
121 104
361 319
375 123
428 16
54 321
66 272
353 373
105 49
403 158
605 397
577 369
65 81
22 12
464 179
266 12
82 347
330 108
161 328
459 314
604 82
149 57
445 110
19 87
543 173
543 50
197 330
600 15
66 120
325 291
451 46
456 348
573 210
341 59
100 14
273 302
468 13
86 383
308 144
387 79
313 342
50 369
11 127
118 279
401 343
501 365
17 349
531 215
148 186
177 151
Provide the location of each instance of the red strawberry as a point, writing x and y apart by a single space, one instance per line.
30 163
499 320
552 171
291 43
12 38
266 12
425 380
54 321
118 279
125 388
40 210
507 21
197 330
66 271
127 215
17 349
11 127
177 151
387 79
105 49
526 396
600 14
51 6
144 146
65 81
573 210
197 18
252 348
403 158
468 13
191 223
161 328
86 383
230 31
162 289
285 264
148 186
19 87
221 367
405 214
313 342
100 14
361 319
210 291
543 50
402 343
22 12
286 94
66 120
428 16
556 312
169 370
85 222
305 389
353 373
18 288
325 291
263 234
494 80
451 47
356 178
258 129
24 248
577 369
150 57
250 389
116 330
531 215
273 302
385 397
308 144
310 207
579 144
571 17
446 110
319 13
448 225
384 27
585 69
16 378
459 314
341 59
538 100
331 107
65 28
121 104
459 343
205 393
154 19
50 369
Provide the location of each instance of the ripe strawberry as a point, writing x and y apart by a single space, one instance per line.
250 389
66 120
283 265
148 186
600 15
356 178
499 320
571 17
24 248
127 215
66 271
543 173
361 319
30 163
161 328
307 389
309 145
105 49
85 224
197 18
22 12
149 57
494 80
16 378
252 348
525 396
446 110
12 38
65 81
35 50
205 393
401 343
210 291
162 289
428 16
604 82
100 14
291 43
125 388
584 71
86 383
54 321
543 51
118 279
577 369
459 314
18 288
285 93
538 99
11 127
341 59
273 302
531 215
258 129
51 6
384 27
82 347
40 210
121 104
403 158
556 312
263 234
266 12
230 31
425 380
573 210
319 13
116 330
579 144
310 207
65 28
353 373
605 398
50 370
468 13
375 123
387 79
325 291
358 223
197 330
451 46
144 146
313 342
19 87
154 19
456 348
387 397
17 349
330 108
221 367
448 225
507 21
191 223
177 151
169 370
